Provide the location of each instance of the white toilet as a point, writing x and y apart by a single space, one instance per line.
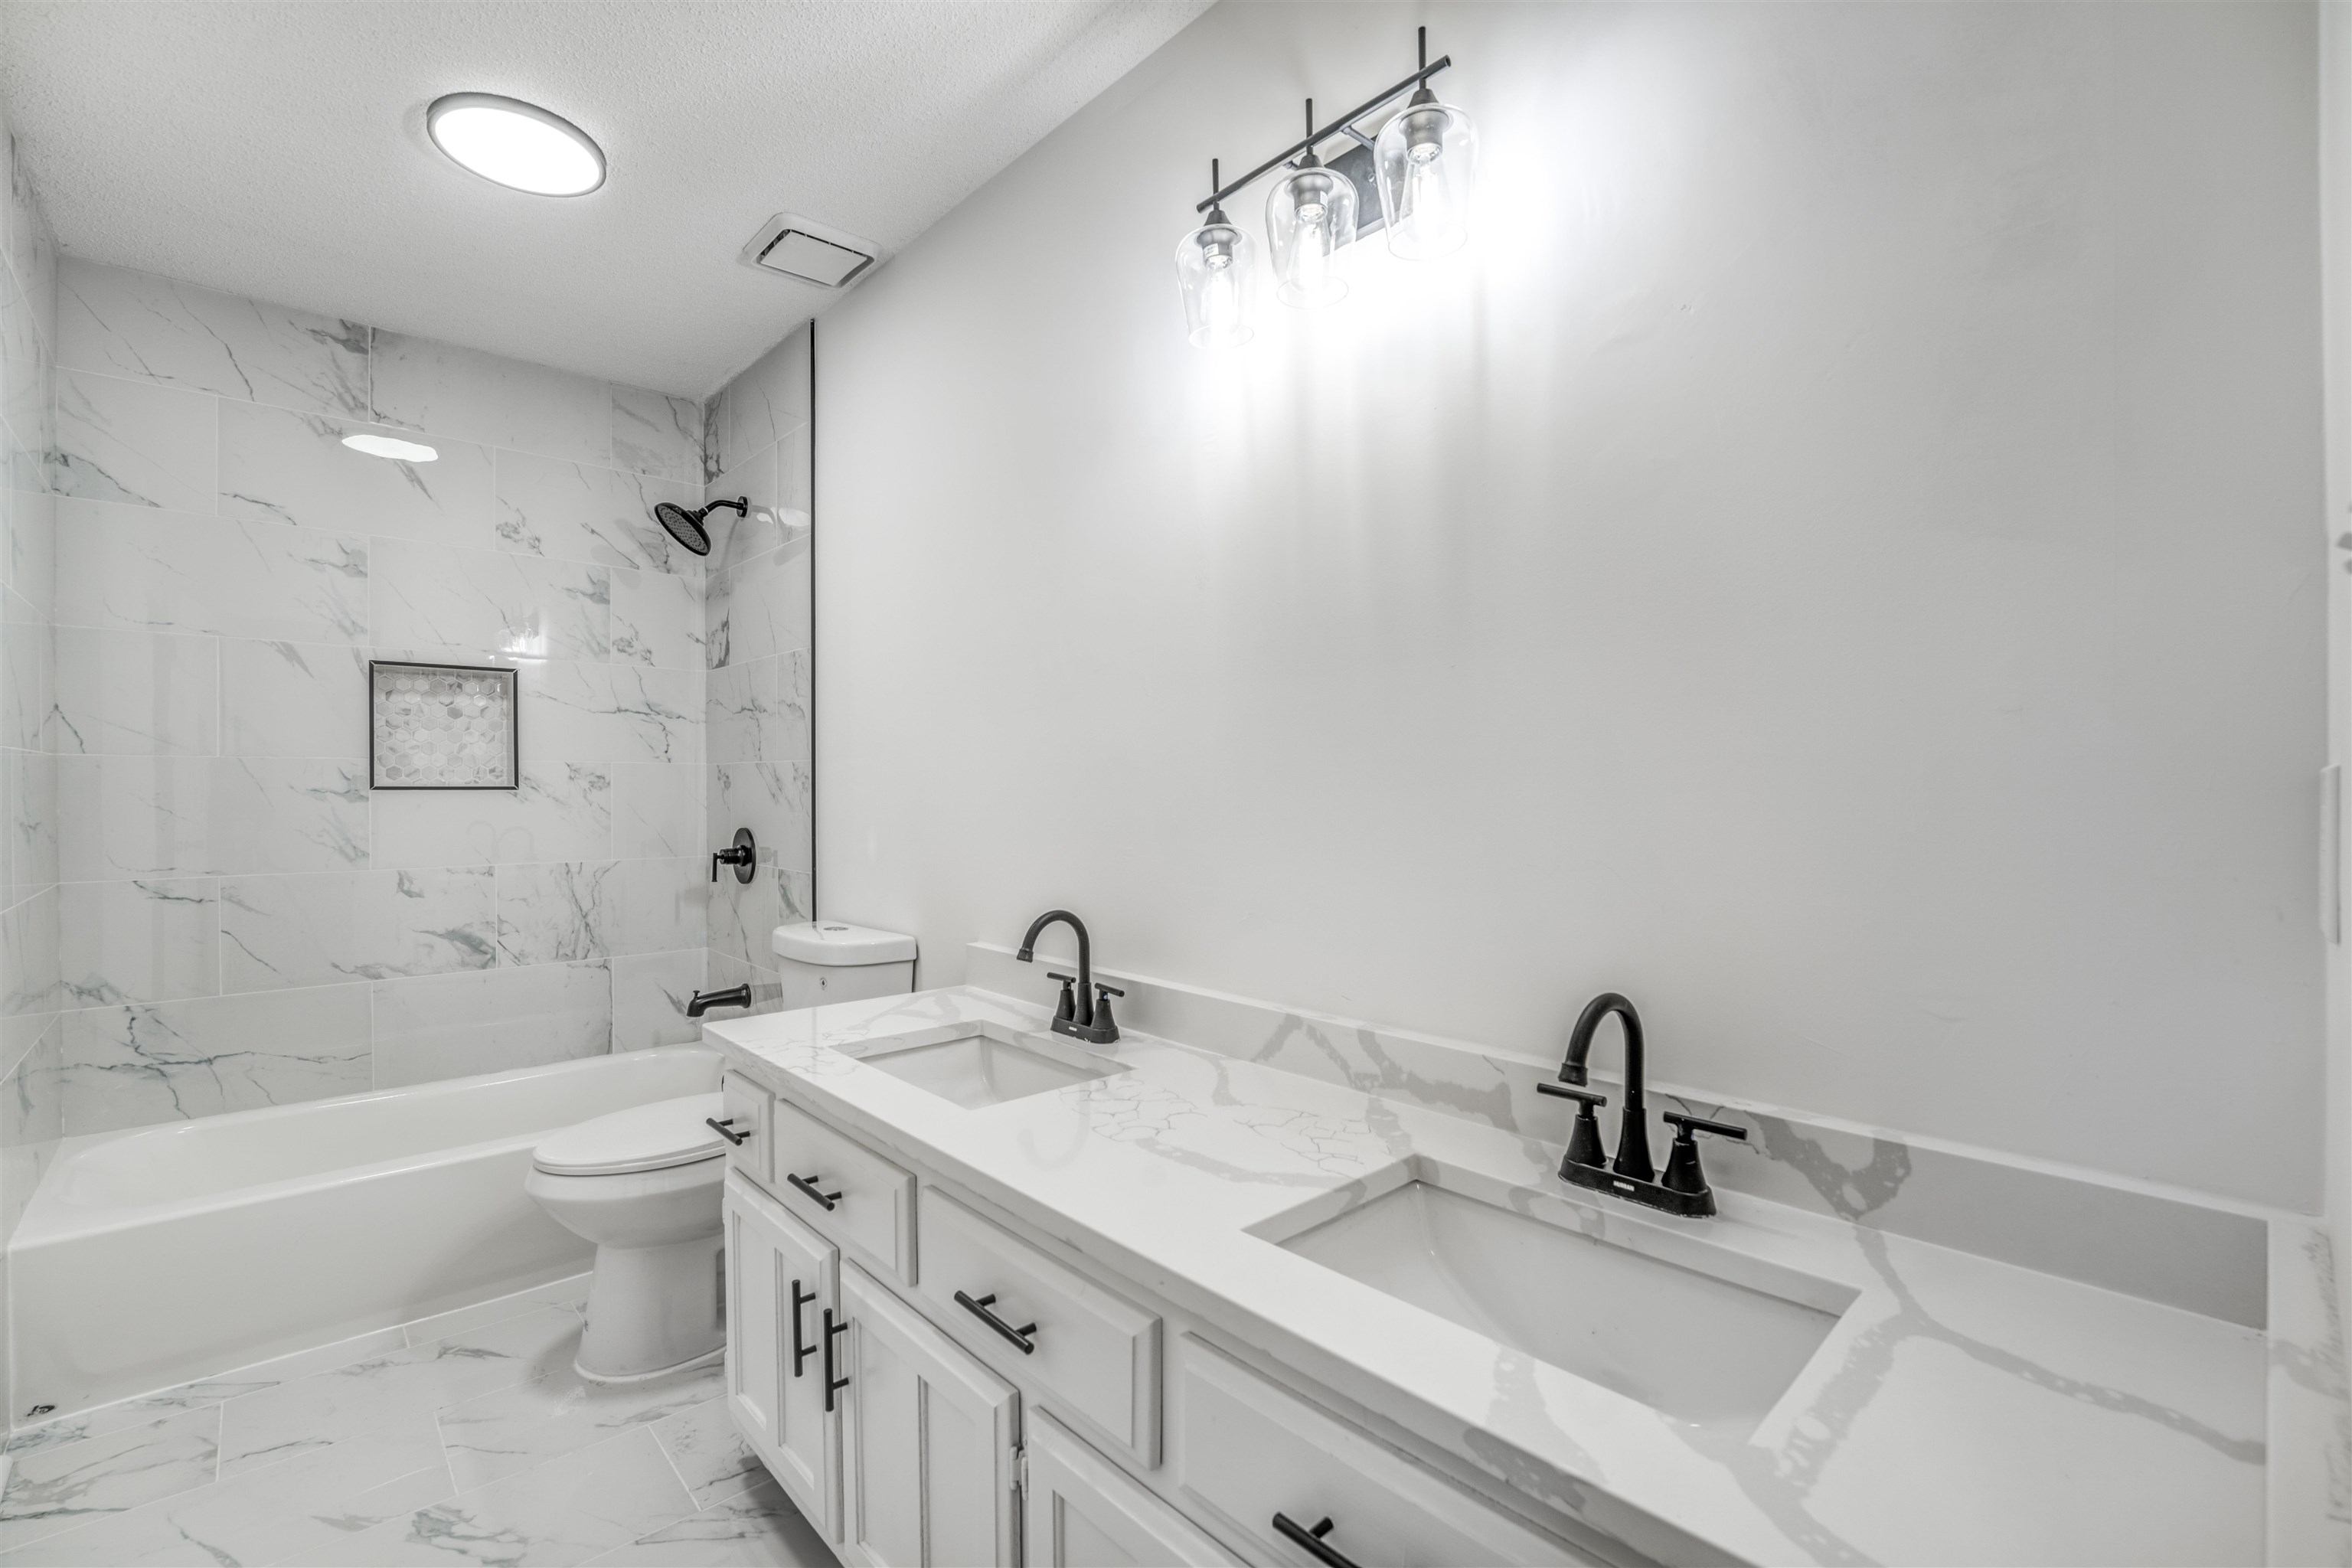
642 1185
820 961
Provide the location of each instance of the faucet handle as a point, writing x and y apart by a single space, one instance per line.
1684 1126
1065 1010
1583 1138
1683 1173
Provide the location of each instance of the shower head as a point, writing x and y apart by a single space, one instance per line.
686 527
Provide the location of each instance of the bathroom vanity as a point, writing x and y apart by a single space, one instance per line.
995 1296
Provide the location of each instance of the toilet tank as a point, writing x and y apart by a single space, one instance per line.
827 960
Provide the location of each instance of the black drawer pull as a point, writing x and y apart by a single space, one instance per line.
831 1382
1311 1541
979 1310
726 1130
805 1184
801 1352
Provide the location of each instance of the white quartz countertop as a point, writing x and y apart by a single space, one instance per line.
1963 1410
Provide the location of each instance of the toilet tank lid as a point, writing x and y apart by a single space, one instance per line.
837 945
642 1137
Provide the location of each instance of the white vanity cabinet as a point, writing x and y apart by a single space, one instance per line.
782 1293
1080 1510
1005 1403
929 1442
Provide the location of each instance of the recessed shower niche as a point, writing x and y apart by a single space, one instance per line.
441 726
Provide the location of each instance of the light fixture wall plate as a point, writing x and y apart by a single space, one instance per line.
442 726
811 252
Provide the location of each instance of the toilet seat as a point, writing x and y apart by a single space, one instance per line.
654 1137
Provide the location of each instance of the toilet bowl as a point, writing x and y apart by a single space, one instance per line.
643 1186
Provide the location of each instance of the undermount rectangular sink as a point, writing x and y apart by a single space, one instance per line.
983 1069
1688 1343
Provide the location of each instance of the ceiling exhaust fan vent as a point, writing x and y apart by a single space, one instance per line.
811 252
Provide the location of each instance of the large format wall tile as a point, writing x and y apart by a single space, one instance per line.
650 992
29 816
280 931
143 570
488 603
653 433
30 555
581 712
429 385
133 693
24 664
562 811
136 324
759 711
769 401
128 1066
134 442
760 608
558 911
771 799
282 467
765 522
138 941
293 699
743 914
581 511
658 810
29 954
183 816
657 620
452 1025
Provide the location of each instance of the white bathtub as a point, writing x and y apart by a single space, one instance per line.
152 1257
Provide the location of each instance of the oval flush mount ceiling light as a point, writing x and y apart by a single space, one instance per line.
391 446
515 144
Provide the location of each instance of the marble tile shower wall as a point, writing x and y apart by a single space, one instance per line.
242 922
758 611
28 867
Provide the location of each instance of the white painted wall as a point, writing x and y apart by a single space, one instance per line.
1841 561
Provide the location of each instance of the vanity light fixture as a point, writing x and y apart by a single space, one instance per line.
391 446
1426 156
1309 215
515 144
1422 164
1215 275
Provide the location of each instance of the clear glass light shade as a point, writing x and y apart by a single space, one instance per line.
1309 215
1425 159
1216 268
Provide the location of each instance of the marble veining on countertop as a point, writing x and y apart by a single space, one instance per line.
1962 1409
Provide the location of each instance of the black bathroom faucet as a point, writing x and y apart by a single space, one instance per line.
1629 1175
1087 1016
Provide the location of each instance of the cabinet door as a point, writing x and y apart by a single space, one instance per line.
1080 1510
781 1280
928 1441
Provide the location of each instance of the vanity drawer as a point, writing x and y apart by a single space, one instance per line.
1249 1450
850 1194
746 1113
1093 1356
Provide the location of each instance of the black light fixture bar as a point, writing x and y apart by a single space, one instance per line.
1345 122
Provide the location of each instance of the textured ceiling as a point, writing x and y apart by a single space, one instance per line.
278 149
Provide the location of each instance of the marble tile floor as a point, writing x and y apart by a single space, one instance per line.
463 1438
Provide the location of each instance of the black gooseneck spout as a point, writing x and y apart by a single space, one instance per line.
1085 1016
1633 1123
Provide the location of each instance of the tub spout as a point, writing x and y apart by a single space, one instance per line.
733 997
